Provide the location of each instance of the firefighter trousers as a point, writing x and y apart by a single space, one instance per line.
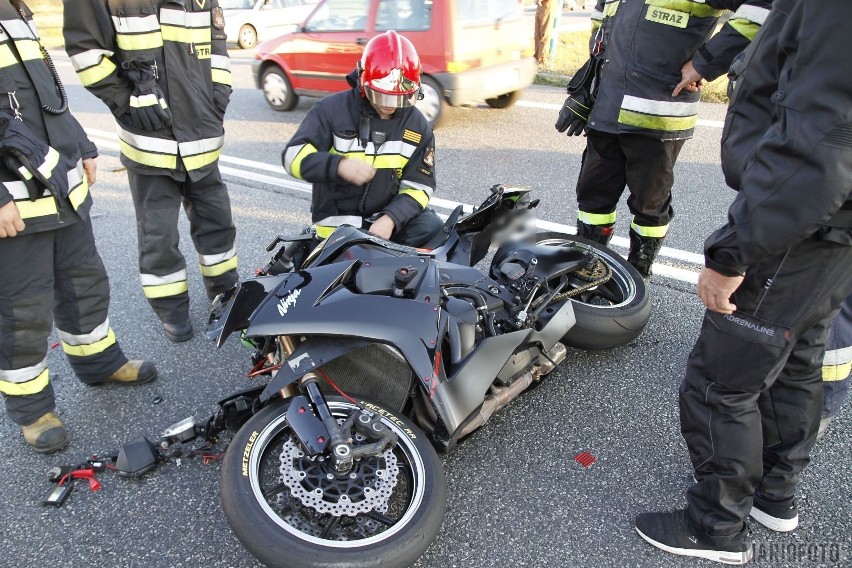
751 396
162 267
52 276
644 165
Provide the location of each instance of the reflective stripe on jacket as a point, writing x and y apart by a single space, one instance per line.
185 39
26 84
646 42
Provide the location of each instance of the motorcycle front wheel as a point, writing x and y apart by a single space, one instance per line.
612 314
290 510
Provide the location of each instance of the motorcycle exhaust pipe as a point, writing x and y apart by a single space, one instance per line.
498 397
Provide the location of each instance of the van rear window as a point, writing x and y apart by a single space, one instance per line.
482 12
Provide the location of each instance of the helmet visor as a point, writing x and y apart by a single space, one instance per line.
388 100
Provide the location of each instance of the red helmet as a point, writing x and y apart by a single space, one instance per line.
390 71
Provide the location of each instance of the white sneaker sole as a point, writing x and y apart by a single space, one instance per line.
774 523
715 555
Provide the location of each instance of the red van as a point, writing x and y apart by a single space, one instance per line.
470 50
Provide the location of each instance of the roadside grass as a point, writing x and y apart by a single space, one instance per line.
48 19
573 50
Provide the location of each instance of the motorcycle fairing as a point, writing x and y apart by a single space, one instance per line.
330 307
232 309
312 353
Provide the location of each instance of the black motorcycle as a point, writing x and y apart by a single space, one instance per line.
379 353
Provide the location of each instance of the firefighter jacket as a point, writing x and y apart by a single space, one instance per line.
27 86
787 141
185 40
646 42
345 125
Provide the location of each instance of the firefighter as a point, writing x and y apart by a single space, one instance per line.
654 57
162 69
52 269
776 274
836 367
369 152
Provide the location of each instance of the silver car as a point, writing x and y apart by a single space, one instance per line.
250 21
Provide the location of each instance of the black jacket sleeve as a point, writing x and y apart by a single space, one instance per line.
714 58
799 173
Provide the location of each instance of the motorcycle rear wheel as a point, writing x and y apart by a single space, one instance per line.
271 519
613 314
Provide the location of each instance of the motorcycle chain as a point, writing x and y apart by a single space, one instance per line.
599 273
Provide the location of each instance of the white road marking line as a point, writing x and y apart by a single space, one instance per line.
108 140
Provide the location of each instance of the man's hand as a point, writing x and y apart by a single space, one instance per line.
383 227
91 169
355 171
10 220
690 79
715 290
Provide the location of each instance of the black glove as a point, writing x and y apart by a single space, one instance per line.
36 164
148 107
582 90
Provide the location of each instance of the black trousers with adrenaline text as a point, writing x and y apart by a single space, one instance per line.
750 400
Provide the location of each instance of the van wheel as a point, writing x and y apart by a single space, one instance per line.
433 105
504 101
278 90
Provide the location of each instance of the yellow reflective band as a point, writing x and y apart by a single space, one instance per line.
38 208
185 35
417 195
78 195
220 76
836 372
746 28
165 161
96 73
132 42
90 349
219 269
296 165
700 10
610 8
34 386
28 49
7 58
166 290
143 101
655 232
323 231
203 51
200 160
595 26
50 161
652 122
596 218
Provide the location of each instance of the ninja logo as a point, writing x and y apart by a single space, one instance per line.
288 302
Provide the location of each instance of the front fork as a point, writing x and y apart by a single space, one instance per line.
340 443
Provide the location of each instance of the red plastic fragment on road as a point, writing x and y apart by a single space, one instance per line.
585 459
55 345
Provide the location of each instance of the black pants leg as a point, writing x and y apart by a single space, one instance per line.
208 209
766 355
162 268
419 230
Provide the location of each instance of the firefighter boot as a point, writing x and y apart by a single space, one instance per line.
133 373
46 435
599 233
643 251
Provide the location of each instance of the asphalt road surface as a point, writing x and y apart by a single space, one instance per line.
516 495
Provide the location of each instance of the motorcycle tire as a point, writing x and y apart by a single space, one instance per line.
616 312
280 524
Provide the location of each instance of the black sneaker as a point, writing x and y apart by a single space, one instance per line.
668 531
780 516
